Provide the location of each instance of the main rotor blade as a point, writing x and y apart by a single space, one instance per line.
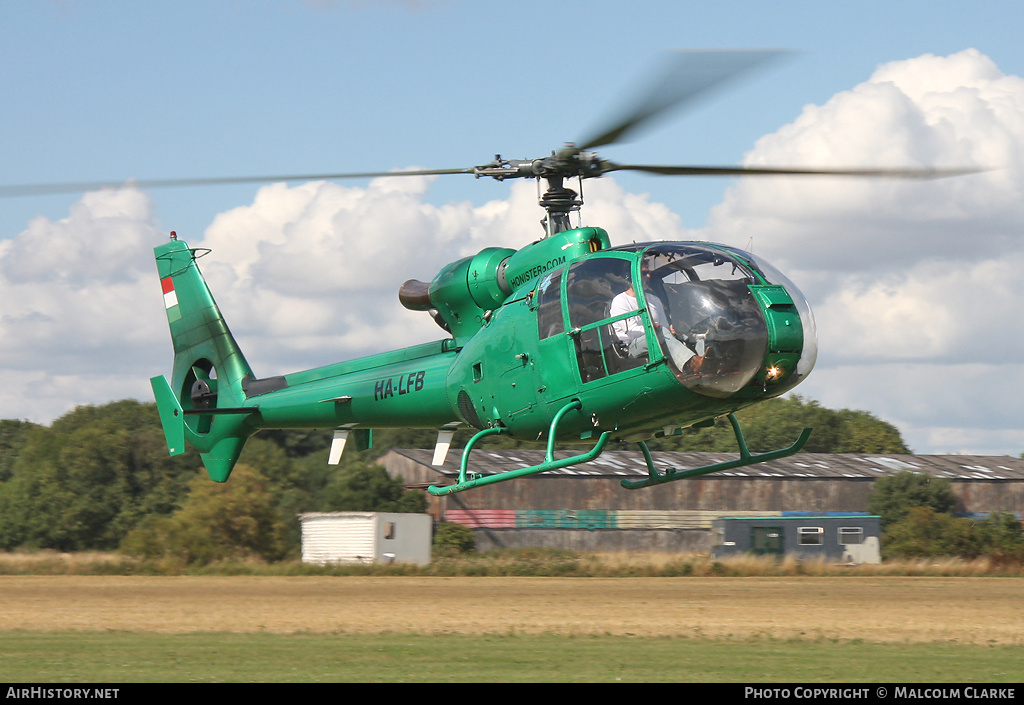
684 76
76 187
789 171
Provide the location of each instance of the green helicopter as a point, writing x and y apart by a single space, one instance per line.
567 340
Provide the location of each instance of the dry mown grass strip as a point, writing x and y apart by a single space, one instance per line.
875 609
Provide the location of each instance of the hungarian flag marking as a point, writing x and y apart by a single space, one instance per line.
170 300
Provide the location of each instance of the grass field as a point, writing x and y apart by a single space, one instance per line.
131 629
117 657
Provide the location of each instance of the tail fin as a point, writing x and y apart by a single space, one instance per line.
204 401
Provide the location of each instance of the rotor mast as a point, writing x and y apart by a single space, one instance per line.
558 201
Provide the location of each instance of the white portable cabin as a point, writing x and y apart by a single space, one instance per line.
366 537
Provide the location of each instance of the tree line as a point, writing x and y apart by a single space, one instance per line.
100 478
917 520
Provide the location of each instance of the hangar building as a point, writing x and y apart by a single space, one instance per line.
585 508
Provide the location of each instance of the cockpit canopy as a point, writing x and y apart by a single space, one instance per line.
709 325
690 303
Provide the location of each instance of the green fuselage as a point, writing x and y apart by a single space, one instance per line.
640 340
553 339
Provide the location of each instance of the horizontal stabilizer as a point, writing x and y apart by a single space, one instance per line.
171 416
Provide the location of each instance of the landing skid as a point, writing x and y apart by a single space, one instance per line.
671 475
469 480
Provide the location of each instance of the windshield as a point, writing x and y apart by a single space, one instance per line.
710 327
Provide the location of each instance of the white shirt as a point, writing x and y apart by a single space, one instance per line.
628 328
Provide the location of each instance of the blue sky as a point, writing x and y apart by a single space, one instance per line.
117 90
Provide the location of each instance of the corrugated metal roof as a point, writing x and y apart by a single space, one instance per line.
801 465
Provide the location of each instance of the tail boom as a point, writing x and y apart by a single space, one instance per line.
214 402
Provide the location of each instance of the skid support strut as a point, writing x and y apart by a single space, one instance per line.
469 480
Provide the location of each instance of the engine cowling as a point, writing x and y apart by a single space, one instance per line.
464 292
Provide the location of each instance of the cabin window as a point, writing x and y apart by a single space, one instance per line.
851 535
608 328
590 287
811 535
549 305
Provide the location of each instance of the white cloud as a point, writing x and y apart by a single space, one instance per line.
909 114
76 288
80 307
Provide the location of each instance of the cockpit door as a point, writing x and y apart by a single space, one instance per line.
606 323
